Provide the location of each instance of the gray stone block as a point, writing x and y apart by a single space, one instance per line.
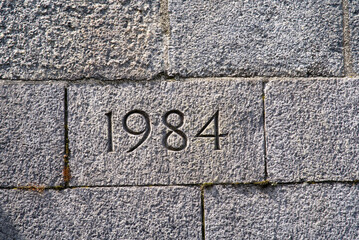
312 129
240 154
315 211
107 213
354 32
31 134
102 39
249 38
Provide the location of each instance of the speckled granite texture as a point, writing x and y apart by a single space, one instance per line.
256 38
312 129
31 134
101 213
240 124
179 119
102 39
303 211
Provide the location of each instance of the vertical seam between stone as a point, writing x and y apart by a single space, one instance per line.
348 61
264 82
66 170
165 25
202 213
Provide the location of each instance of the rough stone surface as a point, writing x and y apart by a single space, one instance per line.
354 32
312 129
240 157
107 213
105 39
247 38
31 134
316 211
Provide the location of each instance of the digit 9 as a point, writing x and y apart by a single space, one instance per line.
146 131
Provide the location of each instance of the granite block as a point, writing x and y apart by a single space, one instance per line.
256 38
174 151
103 39
31 134
101 213
302 211
312 129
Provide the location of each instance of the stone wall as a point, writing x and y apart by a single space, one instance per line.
179 119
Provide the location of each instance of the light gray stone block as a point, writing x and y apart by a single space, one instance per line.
102 39
249 38
240 157
316 211
107 213
354 32
312 129
31 134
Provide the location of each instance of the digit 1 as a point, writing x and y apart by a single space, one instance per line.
109 132
145 132
216 134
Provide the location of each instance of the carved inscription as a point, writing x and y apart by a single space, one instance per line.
216 135
146 132
109 132
173 129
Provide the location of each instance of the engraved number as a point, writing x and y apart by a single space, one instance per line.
145 132
216 134
174 129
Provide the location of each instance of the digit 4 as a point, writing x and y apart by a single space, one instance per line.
216 134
